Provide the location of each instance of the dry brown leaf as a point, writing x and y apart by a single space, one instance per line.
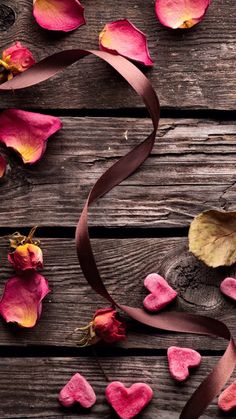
212 237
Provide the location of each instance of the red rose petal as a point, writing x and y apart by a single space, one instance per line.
77 390
22 299
180 360
59 15
181 13
128 402
27 132
122 37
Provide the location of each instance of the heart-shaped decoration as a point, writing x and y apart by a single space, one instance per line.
180 360
77 390
228 287
161 293
227 399
128 402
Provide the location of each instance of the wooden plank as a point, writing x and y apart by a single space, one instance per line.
193 69
124 264
192 168
30 386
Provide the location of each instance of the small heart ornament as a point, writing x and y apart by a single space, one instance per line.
228 287
180 360
77 390
227 399
128 402
161 292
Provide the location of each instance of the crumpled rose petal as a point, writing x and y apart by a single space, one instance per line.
3 166
59 15
77 390
27 132
181 14
122 37
26 257
21 302
17 59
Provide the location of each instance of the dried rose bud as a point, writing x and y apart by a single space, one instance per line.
27 255
104 326
107 327
15 60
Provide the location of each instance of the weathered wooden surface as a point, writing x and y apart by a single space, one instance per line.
193 69
124 264
192 168
30 386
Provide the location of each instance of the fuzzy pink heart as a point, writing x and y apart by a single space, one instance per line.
161 292
227 399
128 402
228 287
180 360
77 390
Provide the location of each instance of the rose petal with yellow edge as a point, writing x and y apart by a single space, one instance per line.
27 132
181 14
59 15
122 37
21 302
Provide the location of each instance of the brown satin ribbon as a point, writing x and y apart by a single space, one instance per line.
168 321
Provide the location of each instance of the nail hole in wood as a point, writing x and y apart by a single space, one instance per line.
7 17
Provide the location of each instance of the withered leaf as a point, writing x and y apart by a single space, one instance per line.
212 237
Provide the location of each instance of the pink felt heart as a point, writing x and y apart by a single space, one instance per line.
77 390
180 360
227 399
228 287
128 402
161 293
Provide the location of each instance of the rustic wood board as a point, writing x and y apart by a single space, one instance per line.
193 69
30 386
192 168
124 263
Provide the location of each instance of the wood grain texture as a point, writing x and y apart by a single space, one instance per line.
192 168
30 386
124 264
193 69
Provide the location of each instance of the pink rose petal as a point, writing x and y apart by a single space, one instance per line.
77 390
3 166
227 399
59 15
181 13
22 299
27 132
180 360
128 402
122 37
161 293
228 287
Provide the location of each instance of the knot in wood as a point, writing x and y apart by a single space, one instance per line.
7 17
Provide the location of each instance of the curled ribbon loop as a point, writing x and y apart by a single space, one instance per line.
168 321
